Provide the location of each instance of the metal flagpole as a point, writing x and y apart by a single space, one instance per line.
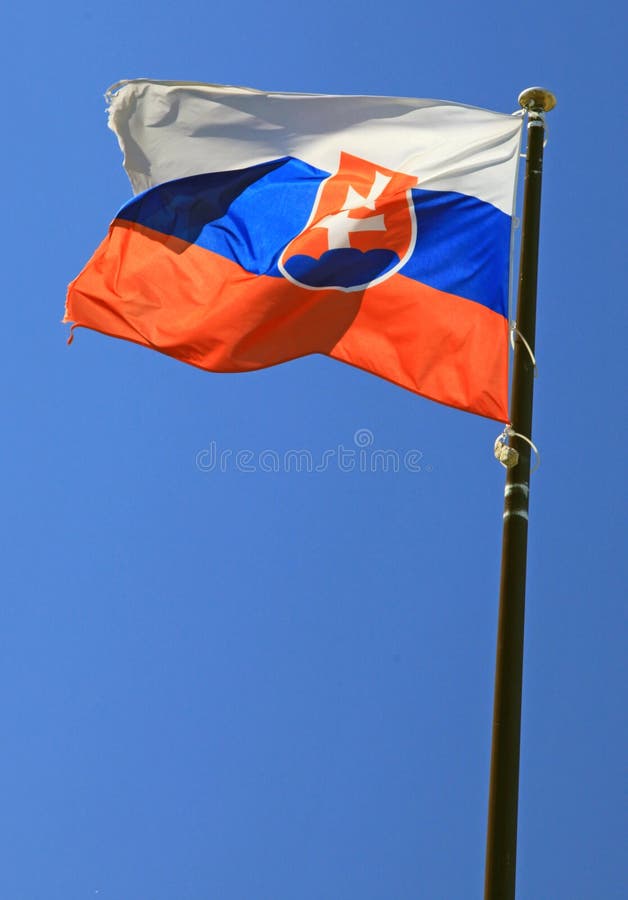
501 839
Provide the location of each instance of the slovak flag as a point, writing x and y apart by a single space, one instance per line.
375 230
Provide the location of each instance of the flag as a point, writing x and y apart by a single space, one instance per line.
268 226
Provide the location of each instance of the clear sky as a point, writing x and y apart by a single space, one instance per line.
256 686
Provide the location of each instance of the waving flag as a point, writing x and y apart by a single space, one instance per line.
375 230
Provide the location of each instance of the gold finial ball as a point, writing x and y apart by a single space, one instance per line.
537 99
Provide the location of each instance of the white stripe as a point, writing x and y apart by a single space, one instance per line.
169 130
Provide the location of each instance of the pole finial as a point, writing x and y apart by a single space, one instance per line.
537 99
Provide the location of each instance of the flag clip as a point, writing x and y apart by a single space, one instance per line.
505 454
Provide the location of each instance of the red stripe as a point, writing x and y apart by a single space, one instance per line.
203 309
443 347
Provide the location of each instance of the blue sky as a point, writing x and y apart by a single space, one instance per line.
257 686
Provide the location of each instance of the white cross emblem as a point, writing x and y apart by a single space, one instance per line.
340 225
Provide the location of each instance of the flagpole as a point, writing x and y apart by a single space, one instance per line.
501 838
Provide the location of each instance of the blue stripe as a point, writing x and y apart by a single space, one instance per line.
462 247
250 215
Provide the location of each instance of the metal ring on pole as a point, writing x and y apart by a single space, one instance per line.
514 330
513 433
